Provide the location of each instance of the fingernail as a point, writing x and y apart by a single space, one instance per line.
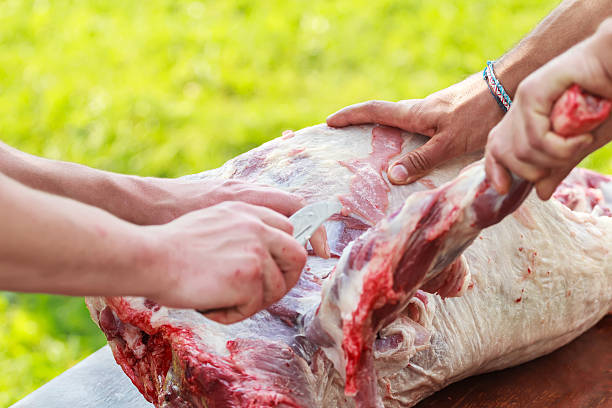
398 173
498 182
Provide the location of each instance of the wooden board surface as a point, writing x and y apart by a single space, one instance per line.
578 375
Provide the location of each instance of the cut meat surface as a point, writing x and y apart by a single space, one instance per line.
578 112
528 285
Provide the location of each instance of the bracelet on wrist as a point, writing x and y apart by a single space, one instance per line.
496 88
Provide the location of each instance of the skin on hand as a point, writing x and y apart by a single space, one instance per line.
456 119
523 143
232 259
171 198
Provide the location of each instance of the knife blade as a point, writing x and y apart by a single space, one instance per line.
306 220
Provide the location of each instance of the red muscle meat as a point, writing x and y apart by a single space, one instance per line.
578 112
369 190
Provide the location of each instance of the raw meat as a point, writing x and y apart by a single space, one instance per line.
529 285
578 112
381 271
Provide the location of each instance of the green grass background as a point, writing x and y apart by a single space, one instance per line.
166 88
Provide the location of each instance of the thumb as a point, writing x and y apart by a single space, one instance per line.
416 163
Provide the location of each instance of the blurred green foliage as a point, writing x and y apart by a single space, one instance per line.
166 88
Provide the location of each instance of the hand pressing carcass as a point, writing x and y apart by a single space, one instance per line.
532 140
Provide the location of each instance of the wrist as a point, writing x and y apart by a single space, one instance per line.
151 262
509 74
141 200
477 102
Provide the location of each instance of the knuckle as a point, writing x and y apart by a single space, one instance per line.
564 154
534 137
493 137
438 100
300 258
250 224
532 133
230 184
254 273
522 152
417 161
526 88
251 268
374 104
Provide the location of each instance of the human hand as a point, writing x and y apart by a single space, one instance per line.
457 120
167 199
523 142
232 259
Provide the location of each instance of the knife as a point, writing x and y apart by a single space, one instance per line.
309 218
305 222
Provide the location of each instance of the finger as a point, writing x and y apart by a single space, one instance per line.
401 115
222 315
278 200
274 284
499 176
502 156
269 217
418 162
319 244
247 299
547 186
253 303
289 255
260 295
561 149
227 316
524 170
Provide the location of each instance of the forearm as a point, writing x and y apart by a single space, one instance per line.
127 197
53 244
568 24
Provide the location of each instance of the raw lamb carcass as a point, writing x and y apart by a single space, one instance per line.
529 285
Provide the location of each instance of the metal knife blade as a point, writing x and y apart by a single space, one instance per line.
306 220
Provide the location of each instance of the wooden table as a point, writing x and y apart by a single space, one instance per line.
578 375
